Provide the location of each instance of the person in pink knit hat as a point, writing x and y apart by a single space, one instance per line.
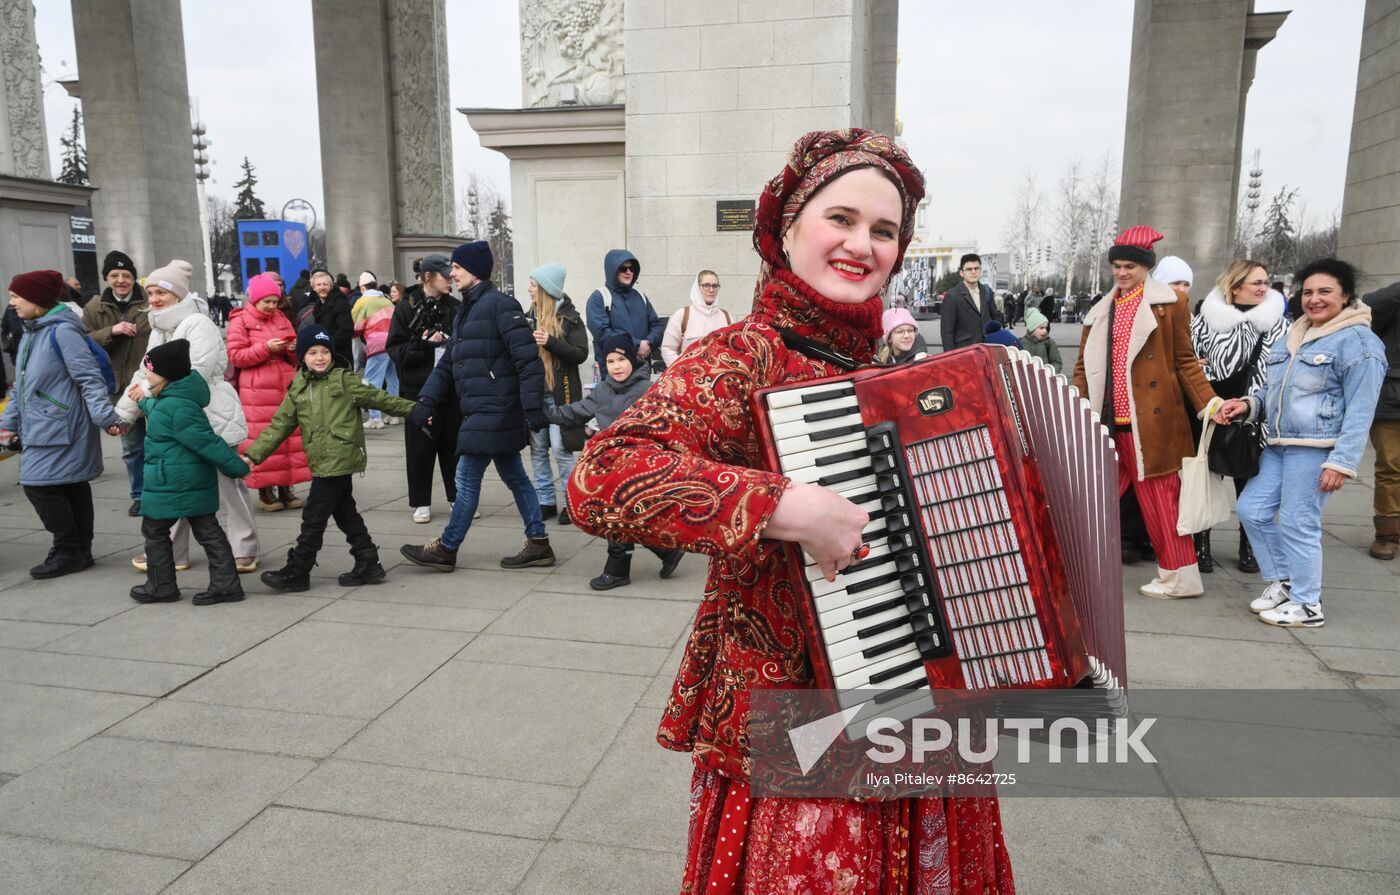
903 341
262 346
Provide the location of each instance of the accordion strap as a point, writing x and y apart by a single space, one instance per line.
817 351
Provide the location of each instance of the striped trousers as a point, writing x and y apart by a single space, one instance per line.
1160 499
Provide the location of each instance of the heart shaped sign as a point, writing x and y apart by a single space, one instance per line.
294 241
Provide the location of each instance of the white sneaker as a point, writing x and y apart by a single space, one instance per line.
374 423
1275 595
422 515
1293 614
392 421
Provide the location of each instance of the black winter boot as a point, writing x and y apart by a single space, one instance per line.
294 577
367 571
1203 557
1247 561
618 571
58 563
670 561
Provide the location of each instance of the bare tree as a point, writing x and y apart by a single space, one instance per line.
474 206
1071 222
1023 226
1103 217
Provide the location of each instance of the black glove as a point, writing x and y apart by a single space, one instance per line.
536 420
420 415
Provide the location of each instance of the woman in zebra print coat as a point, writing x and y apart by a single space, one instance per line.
1238 321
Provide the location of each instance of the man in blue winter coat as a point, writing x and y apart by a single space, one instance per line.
620 308
491 367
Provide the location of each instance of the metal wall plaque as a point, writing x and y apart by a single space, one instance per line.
734 214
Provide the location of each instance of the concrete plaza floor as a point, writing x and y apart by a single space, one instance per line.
492 731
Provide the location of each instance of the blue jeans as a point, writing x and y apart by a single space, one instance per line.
134 456
470 470
380 372
541 445
1289 546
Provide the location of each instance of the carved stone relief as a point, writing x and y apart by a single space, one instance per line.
24 145
422 117
574 43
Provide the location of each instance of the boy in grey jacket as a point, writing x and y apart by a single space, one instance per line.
625 383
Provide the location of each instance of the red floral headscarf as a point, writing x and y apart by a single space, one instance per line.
816 159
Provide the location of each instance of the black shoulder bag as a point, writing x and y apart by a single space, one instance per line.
1235 449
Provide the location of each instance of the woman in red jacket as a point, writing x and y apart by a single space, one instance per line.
262 345
682 468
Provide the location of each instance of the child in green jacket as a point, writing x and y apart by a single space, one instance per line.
325 401
183 459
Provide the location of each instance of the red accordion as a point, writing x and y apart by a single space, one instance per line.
993 501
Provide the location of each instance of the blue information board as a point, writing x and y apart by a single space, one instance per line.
272 245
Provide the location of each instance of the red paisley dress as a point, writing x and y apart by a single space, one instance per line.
678 470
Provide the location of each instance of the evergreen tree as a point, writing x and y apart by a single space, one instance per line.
249 207
75 166
1278 240
498 234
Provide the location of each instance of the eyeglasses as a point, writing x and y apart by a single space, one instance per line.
710 286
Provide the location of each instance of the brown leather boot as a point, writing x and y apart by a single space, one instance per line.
288 499
536 552
1387 537
267 500
431 555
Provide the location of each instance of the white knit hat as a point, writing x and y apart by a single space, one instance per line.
1172 269
174 277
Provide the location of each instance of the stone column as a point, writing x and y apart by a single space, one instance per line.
1192 63
386 138
23 142
716 94
1370 235
136 113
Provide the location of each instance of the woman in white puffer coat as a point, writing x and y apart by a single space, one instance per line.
176 313
697 320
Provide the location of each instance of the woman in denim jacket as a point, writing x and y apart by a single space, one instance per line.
1316 402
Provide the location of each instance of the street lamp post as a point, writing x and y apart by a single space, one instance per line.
201 174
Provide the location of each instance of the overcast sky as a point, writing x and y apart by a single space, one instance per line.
986 90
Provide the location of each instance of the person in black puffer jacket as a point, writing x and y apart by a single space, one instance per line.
328 308
492 369
418 331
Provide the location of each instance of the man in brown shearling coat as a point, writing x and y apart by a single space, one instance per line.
1137 369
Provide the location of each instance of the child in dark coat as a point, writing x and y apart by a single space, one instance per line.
625 383
183 460
324 401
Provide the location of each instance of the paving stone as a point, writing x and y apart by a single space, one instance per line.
94 672
39 867
596 619
1361 661
1251 876
1106 846
352 670
537 724
230 727
502 649
73 599
1252 831
28 635
1221 613
660 821
400 615
569 868
158 799
309 853
439 799
190 635
463 589
37 723
1169 660
658 693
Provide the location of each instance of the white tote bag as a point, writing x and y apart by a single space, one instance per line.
1205 498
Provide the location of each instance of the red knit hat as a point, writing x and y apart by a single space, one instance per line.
1135 244
41 287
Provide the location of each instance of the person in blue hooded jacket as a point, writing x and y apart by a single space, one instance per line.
625 310
59 404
